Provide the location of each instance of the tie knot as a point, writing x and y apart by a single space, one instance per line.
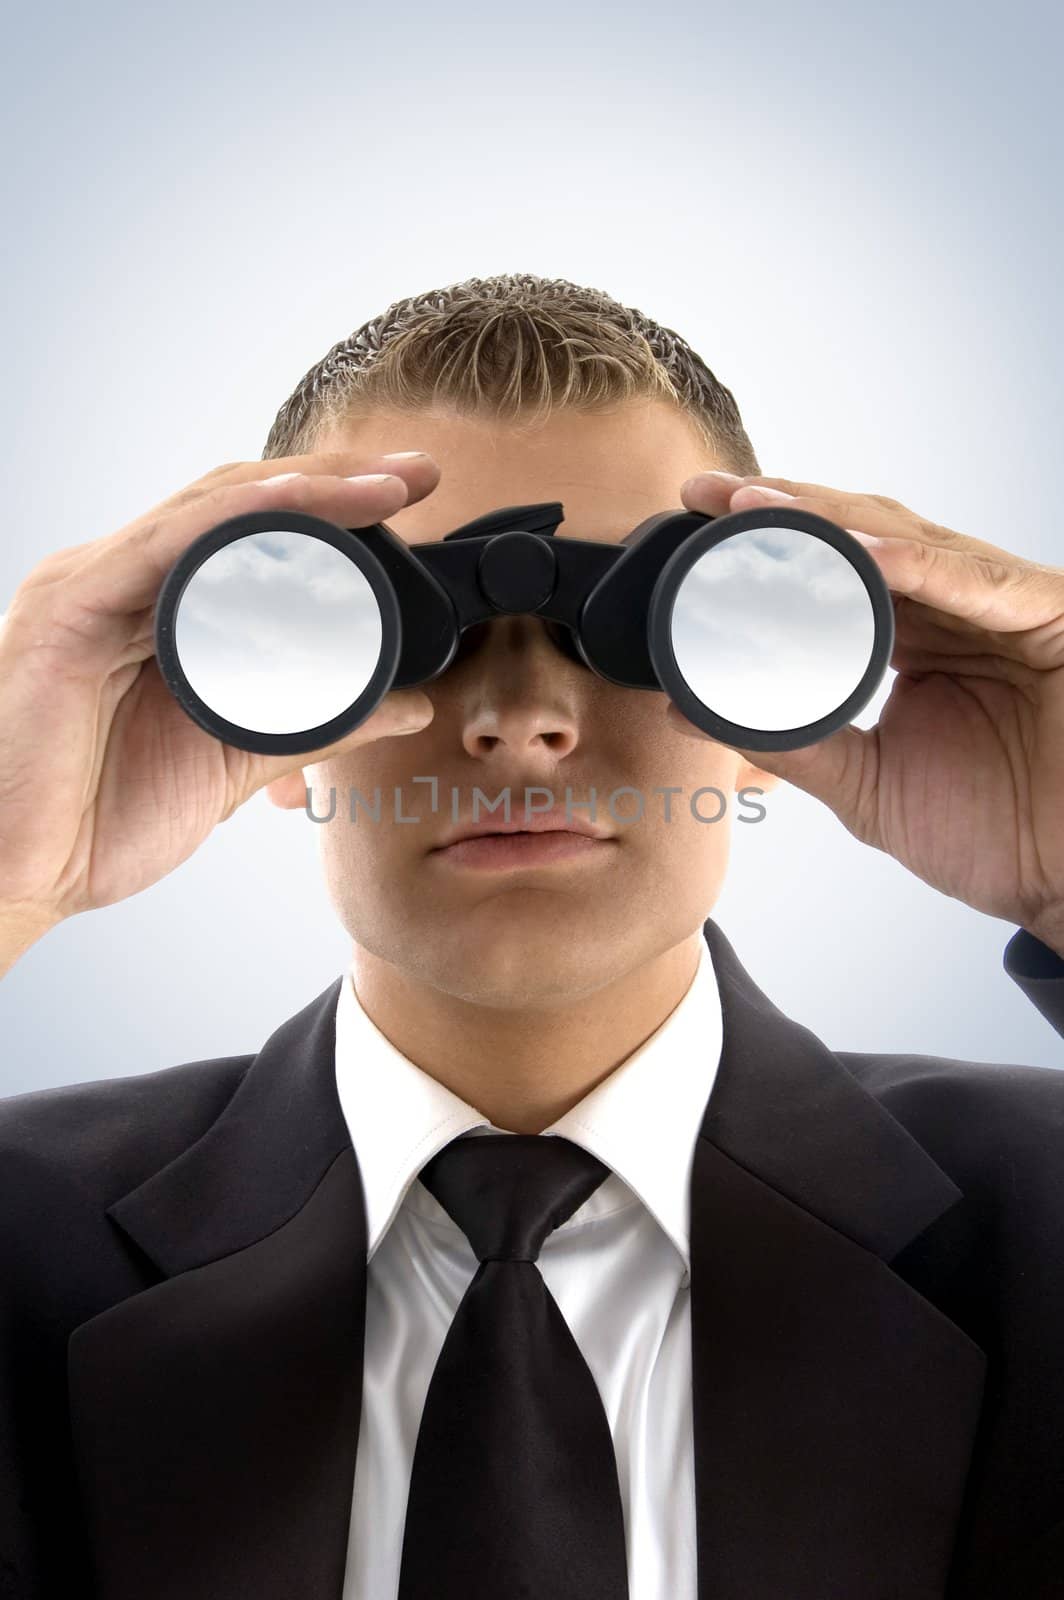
508 1191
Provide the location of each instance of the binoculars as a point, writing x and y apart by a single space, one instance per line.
279 632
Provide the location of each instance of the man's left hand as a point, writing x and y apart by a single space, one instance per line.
962 779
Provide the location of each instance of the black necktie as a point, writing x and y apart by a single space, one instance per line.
514 1490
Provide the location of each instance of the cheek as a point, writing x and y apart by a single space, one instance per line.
657 753
371 773
686 792
365 843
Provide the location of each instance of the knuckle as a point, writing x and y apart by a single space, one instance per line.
211 500
42 619
53 567
144 532
1000 574
48 568
948 538
187 497
922 561
846 513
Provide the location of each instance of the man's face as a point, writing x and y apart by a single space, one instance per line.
514 713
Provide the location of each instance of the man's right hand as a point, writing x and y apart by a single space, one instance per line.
106 784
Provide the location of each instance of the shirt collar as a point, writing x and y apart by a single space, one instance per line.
642 1121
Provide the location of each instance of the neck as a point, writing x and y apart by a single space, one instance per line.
523 1069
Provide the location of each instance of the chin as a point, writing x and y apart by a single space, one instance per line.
512 972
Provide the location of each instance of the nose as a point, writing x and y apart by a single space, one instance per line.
518 693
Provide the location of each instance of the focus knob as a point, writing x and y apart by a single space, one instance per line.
517 571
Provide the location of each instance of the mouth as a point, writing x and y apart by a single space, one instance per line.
495 852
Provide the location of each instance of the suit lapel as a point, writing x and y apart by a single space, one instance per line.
215 1413
835 1408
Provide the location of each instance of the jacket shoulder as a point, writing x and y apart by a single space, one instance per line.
107 1135
982 1121
904 1075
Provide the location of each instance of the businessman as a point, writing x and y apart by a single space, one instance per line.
539 1254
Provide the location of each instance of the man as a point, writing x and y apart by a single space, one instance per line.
786 1322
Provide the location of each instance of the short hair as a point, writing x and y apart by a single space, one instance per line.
513 347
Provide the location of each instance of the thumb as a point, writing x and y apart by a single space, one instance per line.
830 770
400 712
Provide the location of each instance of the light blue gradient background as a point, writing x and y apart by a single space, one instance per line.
852 213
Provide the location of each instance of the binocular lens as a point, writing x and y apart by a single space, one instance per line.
278 632
772 629
768 629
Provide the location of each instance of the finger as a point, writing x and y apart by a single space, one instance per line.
726 484
1010 597
286 790
904 547
82 613
868 513
720 492
926 631
401 712
420 473
715 488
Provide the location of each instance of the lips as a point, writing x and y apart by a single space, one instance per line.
516 850
558 819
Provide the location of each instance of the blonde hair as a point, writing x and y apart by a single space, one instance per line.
514 347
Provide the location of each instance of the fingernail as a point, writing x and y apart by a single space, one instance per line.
868 539
374 477
729 479
411 720
278 477
405 455
756 491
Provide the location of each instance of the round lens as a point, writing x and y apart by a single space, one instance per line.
278 632
772 628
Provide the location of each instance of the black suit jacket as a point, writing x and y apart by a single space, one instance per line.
877 1292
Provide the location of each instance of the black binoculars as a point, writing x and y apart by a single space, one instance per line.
279 632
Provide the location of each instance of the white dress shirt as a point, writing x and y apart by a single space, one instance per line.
619 1269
